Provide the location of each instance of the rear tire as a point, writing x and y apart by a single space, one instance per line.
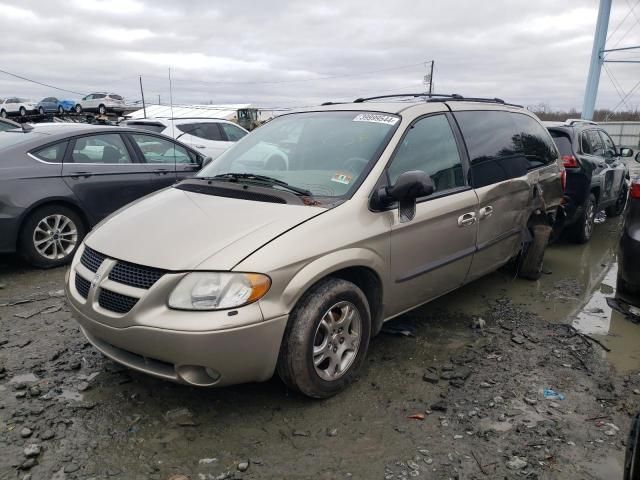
618 209
45 244
3 114
78 108
102 110
582 231
532 257
60 110
23 111
41 111
326 339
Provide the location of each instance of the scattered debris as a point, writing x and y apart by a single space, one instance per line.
550 394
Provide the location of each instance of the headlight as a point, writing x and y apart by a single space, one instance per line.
218 291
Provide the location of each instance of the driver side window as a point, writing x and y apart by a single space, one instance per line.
429 146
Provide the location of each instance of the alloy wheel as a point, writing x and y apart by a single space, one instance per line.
336 341
589 220
55 237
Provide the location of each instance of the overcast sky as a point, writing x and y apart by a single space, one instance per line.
278 53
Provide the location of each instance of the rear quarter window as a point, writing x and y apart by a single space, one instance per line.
152 127
51 153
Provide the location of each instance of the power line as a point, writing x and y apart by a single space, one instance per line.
40 83
272 82
625 97
615 84
623 20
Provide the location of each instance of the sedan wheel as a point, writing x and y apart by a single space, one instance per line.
51 235
55 237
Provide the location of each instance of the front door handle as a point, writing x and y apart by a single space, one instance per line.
161 171
486 212
80 174
467 219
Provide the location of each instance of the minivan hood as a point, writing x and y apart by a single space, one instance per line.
178 230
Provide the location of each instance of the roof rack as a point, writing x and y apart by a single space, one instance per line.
439 97
573 121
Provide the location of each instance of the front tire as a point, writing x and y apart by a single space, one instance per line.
23 111
78 108
60 110
41 111
50 236
326 339
582 231
102 110
3 114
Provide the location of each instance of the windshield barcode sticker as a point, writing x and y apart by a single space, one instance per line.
376 118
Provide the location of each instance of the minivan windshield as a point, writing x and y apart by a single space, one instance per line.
325 153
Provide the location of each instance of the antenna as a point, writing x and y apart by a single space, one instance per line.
173 134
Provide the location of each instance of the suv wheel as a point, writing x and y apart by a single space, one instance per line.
78 108
102 110
23 111
617 209
41 111
583 229
326 339
3 114
60 110
50 236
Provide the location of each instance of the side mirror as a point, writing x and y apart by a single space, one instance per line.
206 161
626 152
408 187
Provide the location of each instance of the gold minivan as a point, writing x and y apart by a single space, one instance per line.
362 211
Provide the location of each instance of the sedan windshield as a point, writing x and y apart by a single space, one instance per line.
324 153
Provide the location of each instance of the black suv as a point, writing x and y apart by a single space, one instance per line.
595 177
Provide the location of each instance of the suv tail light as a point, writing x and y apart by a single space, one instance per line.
563 179
635 189
569 161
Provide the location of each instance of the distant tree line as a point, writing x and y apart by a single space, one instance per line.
544 112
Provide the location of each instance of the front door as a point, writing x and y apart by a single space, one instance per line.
617 169
431 253
103 175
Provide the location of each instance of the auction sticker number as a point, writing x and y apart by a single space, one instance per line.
376 118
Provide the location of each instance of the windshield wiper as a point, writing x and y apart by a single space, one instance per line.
234 177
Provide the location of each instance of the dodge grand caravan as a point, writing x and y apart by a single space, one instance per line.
384 204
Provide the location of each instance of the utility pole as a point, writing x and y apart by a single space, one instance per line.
428 78
158 99
144 107
595 67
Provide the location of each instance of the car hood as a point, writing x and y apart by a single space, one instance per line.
179 230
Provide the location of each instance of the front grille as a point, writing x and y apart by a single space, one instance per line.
116 302
92 259
82 285
135 275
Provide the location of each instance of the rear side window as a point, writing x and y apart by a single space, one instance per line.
114 96
232 132
107 148
159 150
562 142
503 145
207 131
51 153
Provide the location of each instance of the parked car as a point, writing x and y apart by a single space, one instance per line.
628 284
16 106
54 105
212 136
101 102
6 124
59 180
384 206
596 178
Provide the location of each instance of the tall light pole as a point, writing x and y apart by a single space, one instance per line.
595 67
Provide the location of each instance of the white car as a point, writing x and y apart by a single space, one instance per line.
101 102
17 106
211 136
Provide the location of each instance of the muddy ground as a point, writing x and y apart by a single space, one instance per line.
451 401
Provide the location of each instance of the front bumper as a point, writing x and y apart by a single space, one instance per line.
196 348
